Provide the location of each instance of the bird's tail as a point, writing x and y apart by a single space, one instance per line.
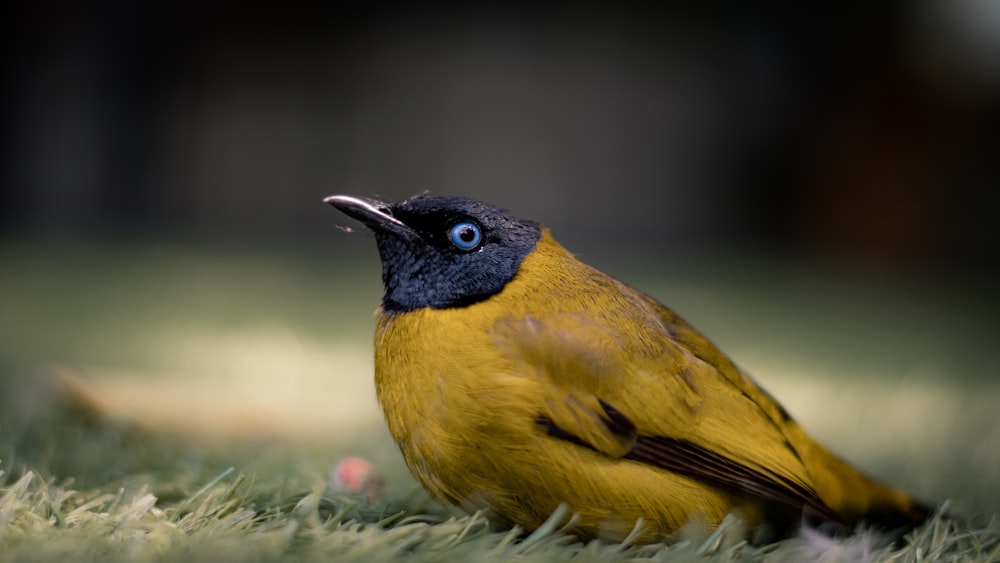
854 495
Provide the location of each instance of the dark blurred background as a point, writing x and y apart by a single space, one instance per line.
864 132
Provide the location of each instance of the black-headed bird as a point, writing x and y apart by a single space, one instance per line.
515 379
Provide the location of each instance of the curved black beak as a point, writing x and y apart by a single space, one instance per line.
375 214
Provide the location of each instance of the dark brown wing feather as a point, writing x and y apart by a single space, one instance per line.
688 459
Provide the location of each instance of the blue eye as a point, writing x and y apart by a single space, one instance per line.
465 235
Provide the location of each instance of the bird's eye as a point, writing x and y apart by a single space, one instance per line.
465 235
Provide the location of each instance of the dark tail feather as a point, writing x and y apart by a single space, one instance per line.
906 520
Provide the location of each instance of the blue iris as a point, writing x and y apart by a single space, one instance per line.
466 235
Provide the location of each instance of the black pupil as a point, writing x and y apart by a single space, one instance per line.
467 234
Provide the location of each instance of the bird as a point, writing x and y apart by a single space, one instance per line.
515 380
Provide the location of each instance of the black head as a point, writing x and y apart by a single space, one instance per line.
442 252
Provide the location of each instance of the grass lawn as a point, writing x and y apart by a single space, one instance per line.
167 402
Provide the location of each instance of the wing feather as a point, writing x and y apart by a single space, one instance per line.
686 407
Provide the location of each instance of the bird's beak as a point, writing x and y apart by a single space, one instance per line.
375 214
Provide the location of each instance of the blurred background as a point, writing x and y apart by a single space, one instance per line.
816 188
867 132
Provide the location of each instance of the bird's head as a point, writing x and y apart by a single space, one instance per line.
442 252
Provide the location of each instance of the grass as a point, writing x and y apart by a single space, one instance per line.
234 380
233 518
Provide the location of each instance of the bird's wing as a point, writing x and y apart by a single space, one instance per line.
630 392
692 340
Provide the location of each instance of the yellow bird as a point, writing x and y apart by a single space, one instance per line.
515 378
